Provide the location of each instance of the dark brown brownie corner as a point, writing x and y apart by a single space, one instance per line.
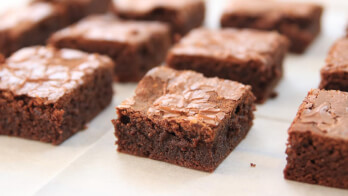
191 128
317 149
71 89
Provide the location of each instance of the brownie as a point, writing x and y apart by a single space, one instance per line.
78 9
248 56
48 94
334 75
298 21
135 46
318 140
182 15
29 25
184 118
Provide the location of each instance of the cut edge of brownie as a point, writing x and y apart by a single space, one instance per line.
192 145
306 163
32 118
337 80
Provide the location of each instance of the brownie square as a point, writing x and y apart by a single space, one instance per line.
248 56
184 118
48 94
78 9
182 15
298 21
318 140
29 25
334 75
135 46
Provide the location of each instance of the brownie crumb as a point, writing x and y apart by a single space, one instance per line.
273 95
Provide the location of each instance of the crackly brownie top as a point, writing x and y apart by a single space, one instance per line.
24 17
273 9
48 73
242 45
337 59
145 6
109 28
324 112
185 96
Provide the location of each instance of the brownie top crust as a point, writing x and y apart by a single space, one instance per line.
21 18
273 9
141 6
47 73
324 112
337 59
110 28
236 44
185 96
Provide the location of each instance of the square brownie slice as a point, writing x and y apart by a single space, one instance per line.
135 46
183 118
318 140
298 21
248 56
78 9
48 94
29 25
334 75
182 15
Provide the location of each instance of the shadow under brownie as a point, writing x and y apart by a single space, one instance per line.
248 56
300 22
183 118
135 46
317 146
48 94
334 75
181 15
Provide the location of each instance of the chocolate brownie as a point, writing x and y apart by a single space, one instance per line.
78 9
318 140
182 15
248 56
184 118
48 94
300 22
334 75
29 25
135 46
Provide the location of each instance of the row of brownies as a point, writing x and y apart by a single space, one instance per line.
189 118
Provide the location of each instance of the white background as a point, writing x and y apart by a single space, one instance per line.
88 164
